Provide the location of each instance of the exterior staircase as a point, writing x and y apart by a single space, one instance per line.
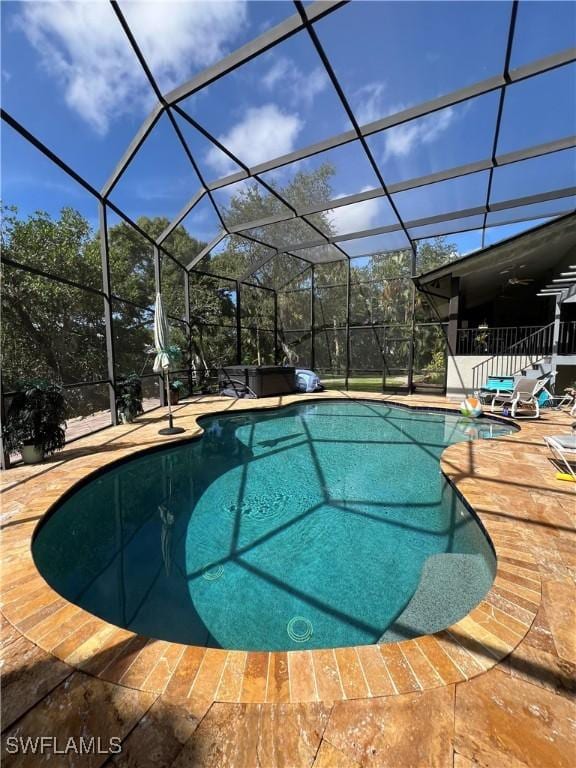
533 351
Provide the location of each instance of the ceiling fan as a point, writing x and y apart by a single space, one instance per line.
515 279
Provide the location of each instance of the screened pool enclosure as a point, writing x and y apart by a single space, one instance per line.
320 167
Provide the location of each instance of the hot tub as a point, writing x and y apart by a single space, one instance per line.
262 380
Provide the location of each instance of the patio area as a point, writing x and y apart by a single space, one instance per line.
493 690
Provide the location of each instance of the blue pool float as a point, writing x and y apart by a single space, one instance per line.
307 381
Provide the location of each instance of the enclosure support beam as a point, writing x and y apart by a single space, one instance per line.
181 216
237 161
276 328
143 132
246 53
350 114
412 344
312 318
453 314
258 265
501 97
157 271
187 318
556 332
450 349
479 210
4 455
348 287
206 250
238 324
108 322
509 158
429 107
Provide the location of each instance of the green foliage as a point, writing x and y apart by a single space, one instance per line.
254 203
241 256
129 396
48 327
65 247
434 370
36 416
57 330
175 355
434 253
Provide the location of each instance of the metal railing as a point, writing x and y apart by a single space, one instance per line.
491 341
567 338
518 357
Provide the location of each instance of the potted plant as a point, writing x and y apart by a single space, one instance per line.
176 387
481 338
175 355
36 420
129 398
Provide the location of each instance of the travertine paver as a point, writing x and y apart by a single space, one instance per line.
411 730
499 720
37 611
529 515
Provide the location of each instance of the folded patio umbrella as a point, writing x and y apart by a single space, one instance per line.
162 359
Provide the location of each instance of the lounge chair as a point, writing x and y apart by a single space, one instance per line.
493 386
549 399
500 388
523 396
564 449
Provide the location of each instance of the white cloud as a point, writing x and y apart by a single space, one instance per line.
357 216
276 73
297 86
399 140
264 132
370 103
314 84
83 46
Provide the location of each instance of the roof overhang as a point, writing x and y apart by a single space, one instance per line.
537 255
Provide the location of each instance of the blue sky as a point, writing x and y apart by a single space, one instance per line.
70 76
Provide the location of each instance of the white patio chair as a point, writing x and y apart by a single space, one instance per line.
563 448
524 396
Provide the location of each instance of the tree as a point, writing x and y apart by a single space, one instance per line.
434 253
256 258
430 342
49 328
56 330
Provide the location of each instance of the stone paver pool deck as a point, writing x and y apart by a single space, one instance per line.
492 690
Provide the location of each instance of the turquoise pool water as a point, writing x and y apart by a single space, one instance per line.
320 524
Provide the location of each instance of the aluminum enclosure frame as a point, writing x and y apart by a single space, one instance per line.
303 22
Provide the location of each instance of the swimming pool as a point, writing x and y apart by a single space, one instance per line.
321 524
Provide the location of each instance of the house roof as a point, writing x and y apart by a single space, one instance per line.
537 255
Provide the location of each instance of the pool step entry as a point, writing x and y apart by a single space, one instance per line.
450 586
